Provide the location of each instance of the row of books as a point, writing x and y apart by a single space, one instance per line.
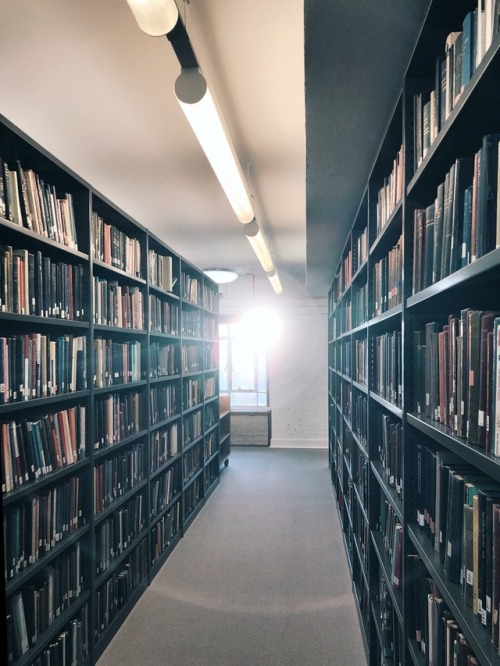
388 372
211 416
437 633
70 646
457 376
192 427
192 461
163 316
346 274
117 475
115 248
117 362
392 643
117 305
210 328
193 496
211 445
164 530
192 323
390 450
359 472
461 224
346 401
458 507
391 192
352 261
191 288
163 403
463 52
35 365
191 358
360 361
387 282
164 360
34 284
212 356
37 524
347 358
359 306
115 534
34 448
359 417
192 393
360 526
34 607
210 298
116 591
163 488
164 446
360 250
392 538
28 201
116 416
160 271
210 387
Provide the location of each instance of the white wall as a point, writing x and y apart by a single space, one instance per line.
298 364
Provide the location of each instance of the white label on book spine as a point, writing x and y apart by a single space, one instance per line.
449 549
470 577
488 604
480 418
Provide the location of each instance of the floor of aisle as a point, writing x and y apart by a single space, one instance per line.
260 577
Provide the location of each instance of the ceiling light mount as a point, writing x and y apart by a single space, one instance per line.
256 239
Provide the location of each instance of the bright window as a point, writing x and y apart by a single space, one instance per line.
243 357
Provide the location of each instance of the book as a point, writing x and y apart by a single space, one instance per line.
487 193
473 364
468 48
428 245
438 229
461 180
454 526
495 434
3 208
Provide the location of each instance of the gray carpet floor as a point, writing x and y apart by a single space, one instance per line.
260 577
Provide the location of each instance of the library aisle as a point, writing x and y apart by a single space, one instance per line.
260 577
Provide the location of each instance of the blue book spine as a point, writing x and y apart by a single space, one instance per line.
468 59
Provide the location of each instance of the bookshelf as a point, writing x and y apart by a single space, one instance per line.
413 369
109 407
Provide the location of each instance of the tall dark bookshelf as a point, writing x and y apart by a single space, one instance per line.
394 424
130 436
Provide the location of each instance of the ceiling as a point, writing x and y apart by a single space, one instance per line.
305 110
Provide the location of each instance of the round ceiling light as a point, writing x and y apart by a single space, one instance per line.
221 275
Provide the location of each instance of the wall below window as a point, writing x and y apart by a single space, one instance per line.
298 389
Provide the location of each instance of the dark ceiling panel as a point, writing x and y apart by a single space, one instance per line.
356 54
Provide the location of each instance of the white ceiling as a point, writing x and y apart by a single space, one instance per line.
85 82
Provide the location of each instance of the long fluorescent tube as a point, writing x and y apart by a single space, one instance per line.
194 97
275 281
155 17
258 242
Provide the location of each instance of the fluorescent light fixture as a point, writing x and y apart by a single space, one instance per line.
256 239
194 97
221 275
275 281
155 17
